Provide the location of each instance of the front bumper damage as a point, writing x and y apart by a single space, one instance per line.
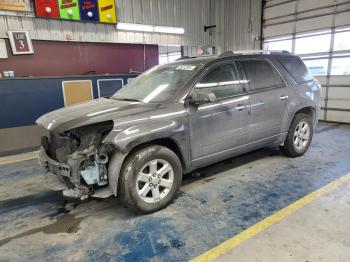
66 177
55 172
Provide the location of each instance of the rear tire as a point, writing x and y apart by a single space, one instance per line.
150 178
299 136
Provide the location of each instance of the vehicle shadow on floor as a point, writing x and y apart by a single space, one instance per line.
205 174
90 207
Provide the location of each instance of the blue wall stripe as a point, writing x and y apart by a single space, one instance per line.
23 100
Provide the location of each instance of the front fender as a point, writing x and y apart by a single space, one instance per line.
127 139
114 168
132 136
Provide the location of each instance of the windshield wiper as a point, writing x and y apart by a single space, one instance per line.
128 99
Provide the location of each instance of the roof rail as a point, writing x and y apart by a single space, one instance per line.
242 52
227 53
185 57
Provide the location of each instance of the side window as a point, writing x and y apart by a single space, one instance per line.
223 81
297 69
261 74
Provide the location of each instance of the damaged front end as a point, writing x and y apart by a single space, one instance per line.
77 162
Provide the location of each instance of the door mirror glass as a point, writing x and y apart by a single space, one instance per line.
201 97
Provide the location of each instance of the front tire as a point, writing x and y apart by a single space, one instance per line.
299 136
150 178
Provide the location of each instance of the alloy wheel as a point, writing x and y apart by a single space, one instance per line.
301 135
155 180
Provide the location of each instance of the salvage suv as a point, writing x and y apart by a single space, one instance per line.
175 118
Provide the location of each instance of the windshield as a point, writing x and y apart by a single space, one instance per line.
157 85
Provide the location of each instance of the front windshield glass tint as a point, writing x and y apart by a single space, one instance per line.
157 85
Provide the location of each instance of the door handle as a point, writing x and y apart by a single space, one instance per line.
284 97
240 107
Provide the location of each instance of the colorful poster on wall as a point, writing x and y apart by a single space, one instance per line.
107 11
46 8
88 10
15 5
21 44
69 9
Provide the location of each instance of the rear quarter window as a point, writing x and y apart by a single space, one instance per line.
261 74
297 69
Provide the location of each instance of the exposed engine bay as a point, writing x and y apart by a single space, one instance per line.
78 159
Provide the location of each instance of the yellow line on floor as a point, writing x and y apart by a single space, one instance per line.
231 243
4 162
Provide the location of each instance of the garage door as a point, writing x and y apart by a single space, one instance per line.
319 32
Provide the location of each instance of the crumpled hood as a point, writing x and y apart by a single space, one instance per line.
91 112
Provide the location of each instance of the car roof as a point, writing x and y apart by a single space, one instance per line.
208 59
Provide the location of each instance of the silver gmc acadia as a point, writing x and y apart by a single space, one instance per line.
175 118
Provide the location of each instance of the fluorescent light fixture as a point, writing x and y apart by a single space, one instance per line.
135 27
151 28
169 30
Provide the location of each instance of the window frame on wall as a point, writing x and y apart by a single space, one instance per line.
337 34
168 54
329 53
333 59
311 48
275 41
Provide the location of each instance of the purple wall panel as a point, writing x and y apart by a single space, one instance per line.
55 58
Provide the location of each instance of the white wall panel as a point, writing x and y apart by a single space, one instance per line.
279 10
316 12
338 116
340 80
279 20
345 6
342 19
279 29
321 79
339 97
305 5
314 23
275 2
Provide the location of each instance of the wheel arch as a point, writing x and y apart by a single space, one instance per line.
119 158
166 142
309 110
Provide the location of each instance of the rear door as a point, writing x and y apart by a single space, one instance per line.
269 97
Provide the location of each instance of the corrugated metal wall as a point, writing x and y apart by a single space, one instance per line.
238 23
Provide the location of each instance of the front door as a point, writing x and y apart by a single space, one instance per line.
217 128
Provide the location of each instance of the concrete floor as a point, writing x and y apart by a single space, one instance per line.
316 232
227 198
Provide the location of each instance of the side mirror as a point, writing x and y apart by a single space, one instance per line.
200 97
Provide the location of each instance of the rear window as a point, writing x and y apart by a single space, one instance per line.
296 69
261 74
